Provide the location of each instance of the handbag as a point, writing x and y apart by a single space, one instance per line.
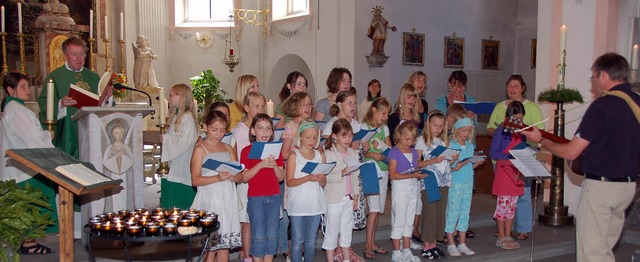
576 164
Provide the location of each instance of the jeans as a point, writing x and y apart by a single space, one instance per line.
303 232
524 215
264 214
283 235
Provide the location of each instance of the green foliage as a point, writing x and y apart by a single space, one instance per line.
206 89
560 95
21 218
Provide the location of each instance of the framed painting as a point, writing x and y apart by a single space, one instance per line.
490 54
534 51
412 49
454 51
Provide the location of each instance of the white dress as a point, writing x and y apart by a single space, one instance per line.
308 198
220 198
241 135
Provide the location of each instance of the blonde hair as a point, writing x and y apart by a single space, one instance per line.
242 87
378 104
405 127
426 133
185 106
248 99
406 90
413 77
304 125
457 111
455 136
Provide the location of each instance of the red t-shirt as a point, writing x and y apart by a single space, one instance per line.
265 182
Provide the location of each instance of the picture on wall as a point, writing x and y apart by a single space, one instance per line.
413 49
490 54
454 51
534 51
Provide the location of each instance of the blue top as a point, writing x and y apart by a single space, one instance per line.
464 174
500 141
442 104
612 131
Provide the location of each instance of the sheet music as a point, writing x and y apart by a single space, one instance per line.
528 165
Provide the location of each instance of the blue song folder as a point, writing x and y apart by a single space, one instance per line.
444 151
364 134
234 167
431 186
318 168
277 134
482 108
369 175
262 150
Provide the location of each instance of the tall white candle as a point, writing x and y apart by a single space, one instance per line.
2 10
270 108
634 57
162 106
563 41
50 100
91 23
121 26
106 27
19 17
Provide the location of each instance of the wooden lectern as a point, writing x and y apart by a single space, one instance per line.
45 161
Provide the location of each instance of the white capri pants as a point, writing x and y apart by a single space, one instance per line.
378 202
403 207
339 223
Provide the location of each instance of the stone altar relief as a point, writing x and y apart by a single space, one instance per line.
117 158
56 57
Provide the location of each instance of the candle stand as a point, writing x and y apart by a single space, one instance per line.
91 67
163 167
50 124
23 69
5 67
106 55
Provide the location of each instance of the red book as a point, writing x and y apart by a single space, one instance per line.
83 97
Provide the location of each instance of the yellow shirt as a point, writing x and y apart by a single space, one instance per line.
235 114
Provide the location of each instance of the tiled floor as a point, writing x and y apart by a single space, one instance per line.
551 243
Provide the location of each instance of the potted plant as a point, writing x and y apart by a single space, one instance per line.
206 90
21 217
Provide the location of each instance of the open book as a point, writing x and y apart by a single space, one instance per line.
364 134
474 159
227 138
234 167
318 168
83 97
448 153
526 162
262 150
482 108
81 174
277 134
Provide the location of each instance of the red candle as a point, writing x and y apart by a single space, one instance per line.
230 51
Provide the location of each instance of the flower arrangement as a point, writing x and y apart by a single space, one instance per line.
120 94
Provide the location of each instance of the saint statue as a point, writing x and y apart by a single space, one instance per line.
143 73
378 30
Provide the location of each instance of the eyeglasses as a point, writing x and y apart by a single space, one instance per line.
77 54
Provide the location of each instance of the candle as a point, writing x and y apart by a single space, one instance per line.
162 106
634 57
50 100
197 36
270 108
563 41
195 104
121 26
2 10
91 23
19 17
106 27
230 51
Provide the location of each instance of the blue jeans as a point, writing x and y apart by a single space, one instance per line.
264 213
303 232
283 235
524 214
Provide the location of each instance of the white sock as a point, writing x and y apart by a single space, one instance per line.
406 250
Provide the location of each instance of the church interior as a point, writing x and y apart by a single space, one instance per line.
180 39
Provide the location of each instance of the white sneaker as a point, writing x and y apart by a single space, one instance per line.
462 248
453 251
415 246
409 257
397 257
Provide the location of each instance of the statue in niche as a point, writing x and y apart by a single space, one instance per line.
118 158
143 73
378 30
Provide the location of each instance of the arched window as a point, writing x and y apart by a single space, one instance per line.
283 9
203 13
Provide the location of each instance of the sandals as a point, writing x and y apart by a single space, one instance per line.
522 236
380 250
507 243
471 234
369 254
36 249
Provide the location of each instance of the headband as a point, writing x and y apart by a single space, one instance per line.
463 122
305 125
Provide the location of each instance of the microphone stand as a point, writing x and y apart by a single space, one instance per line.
120 86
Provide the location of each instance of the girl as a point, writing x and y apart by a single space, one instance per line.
433 214
459 197
177 146
419 81
305 200
299 107
296 82
215 106
376 117
245 84
406 109
263 205
373 93
403 159
20 129
340 191
217 191
339 80
344 108
506 184
252 105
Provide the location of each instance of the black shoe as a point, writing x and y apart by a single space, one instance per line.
439 252
429 254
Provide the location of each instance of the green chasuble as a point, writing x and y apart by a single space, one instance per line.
66 131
